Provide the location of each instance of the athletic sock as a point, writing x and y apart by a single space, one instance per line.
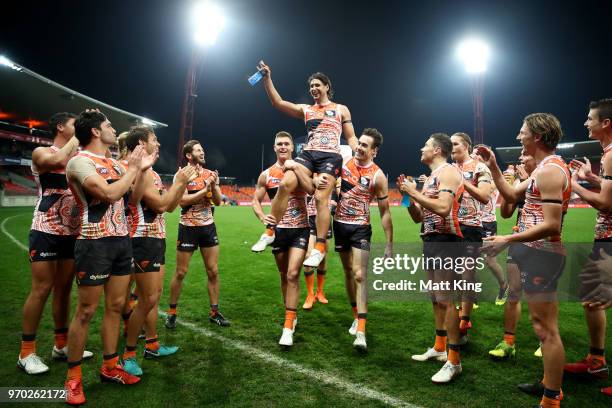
61 337
28 345
597 353
361 322
551 398
269 230
152 344
110 360
320 280
453 354
172 309
354 307
464 325
74 370
509 338
130 352
440 344
309 278
214 309
321 245
290 316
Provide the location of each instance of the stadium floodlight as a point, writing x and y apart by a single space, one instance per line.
474 54
208 22
147 122
8 63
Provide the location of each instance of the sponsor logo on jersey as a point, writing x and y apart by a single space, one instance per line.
330 112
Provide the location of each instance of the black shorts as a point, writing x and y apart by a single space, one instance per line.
149 254
189 238
50 247
312 222
472 236
321 162
540 269
442 246
489 228
285 238
352 235
96 260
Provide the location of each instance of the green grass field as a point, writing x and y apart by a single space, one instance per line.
246 367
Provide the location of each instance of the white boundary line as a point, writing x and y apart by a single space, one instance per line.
358 390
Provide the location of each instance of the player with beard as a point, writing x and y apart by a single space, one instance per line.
197 229
539 252
291 238
325 122
437 208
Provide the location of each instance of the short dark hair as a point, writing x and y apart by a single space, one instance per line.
136 134
282 133
603 107
443 141
466 139
374 134
85 122
325 79
547 126
60 118
188 147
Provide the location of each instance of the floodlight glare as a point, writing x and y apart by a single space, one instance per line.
474 54
8 63
147 122
208 22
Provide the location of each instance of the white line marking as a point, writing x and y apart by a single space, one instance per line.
11 237
358 390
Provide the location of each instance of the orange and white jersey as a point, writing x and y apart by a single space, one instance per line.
488 210
200 213
603 225
324 127
296 215
474 172
356 192
532 212
143 221
98 219
432 222
55 211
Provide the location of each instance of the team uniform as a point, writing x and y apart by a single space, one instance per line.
312 213
541 262
197 226
352 220
519 209
55 224
292 230
324 127
148 233
489 218
103 247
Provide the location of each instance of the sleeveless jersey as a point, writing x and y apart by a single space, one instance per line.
144 222
200 213
532 212
296 215
603 225
55 211
324 127
488 210
470 212
98 219
356 192
432 222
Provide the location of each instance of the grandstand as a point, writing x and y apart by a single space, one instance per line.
26 101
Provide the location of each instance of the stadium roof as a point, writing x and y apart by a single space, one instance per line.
590 149
30 98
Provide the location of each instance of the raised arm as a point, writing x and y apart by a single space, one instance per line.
506 190
289 108
482 191
45 159
450 181
602 200
168 200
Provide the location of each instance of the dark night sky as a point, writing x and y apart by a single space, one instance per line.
391 62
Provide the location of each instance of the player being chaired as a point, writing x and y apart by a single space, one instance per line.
325 122
437 208
362 181
197 229
148 233
55 226
291 238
